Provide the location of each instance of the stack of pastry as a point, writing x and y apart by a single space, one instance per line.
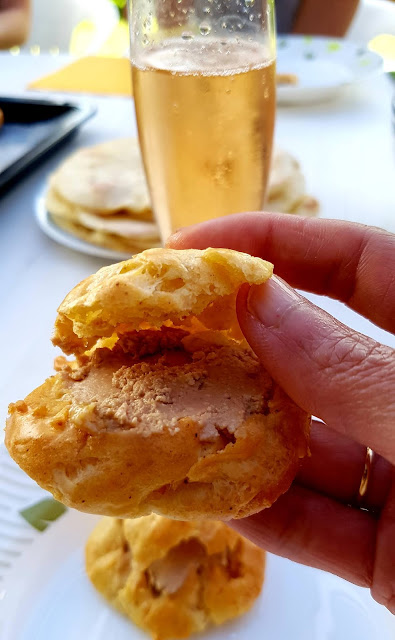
100 195
287 187
174 578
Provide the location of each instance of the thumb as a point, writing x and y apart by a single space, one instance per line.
329 370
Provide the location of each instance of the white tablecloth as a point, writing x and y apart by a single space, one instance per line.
346 149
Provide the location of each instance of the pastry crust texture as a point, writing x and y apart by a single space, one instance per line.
174 578
157 287
127 243
107 177
100 194
286 191
166 409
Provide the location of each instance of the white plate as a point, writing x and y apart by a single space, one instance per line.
51 229
17 491
324 66
49 596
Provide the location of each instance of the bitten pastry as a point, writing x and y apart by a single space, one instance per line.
174 578
166 409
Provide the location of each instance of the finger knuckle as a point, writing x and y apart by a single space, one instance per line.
352 354
385 596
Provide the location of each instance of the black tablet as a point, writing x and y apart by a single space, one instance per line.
33 127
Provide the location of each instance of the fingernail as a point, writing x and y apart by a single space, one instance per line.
172 240
270 301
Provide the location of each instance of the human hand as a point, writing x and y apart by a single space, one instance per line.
343 377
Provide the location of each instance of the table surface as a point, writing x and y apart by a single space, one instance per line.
346 149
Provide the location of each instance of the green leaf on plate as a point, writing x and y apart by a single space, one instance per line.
39 515
333 46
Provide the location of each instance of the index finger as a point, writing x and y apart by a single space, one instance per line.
350 262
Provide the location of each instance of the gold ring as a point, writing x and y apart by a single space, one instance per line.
363 487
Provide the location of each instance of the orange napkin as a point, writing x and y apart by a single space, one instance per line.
93 74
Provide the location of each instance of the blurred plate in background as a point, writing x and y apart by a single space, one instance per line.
323 67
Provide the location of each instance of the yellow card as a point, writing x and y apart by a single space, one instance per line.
92 74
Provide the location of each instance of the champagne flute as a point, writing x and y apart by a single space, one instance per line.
204 91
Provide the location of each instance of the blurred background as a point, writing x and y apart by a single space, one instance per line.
99 27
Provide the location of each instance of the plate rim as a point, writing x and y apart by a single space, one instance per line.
49 227
298 95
